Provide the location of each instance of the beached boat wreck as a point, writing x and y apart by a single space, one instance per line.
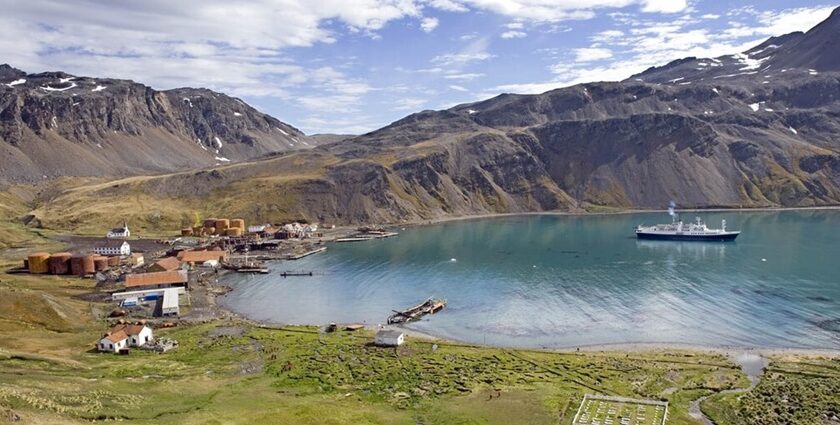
430 306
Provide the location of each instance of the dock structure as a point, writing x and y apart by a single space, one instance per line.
367 234
294 273
354 239
430 306
306 254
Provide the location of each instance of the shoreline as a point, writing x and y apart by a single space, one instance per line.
643 347
441 220
622 347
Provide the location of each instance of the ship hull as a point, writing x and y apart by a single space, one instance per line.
725 237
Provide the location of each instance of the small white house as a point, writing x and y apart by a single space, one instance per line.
119 232
125 335
112 342
113 247
389 338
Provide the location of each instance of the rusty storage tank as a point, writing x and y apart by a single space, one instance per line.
222 224
233 231
81 265
59 263
237 223
100 263
209 222
113 261
197 230
38 262
187 231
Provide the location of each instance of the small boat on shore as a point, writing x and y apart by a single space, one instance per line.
430 306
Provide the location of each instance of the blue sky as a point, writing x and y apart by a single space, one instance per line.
351 66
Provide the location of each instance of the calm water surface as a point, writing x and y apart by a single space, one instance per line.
565 281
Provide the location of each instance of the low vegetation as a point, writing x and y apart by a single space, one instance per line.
234 371
792 391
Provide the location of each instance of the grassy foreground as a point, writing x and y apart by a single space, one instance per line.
231 371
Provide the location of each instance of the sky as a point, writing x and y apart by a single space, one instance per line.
351 66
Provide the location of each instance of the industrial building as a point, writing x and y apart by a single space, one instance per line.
113 248
165 265
201 257
169 299
156 280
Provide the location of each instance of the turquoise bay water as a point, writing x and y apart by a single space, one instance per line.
566 281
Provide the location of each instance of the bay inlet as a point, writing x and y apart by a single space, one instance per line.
561 281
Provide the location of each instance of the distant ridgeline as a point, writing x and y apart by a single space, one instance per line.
758 128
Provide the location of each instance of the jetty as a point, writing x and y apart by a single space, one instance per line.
430 306
296 273
354 239
247 267
305 254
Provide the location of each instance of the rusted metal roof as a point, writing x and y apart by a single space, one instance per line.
200 256
156 279
167 264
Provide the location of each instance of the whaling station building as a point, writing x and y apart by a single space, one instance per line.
113 247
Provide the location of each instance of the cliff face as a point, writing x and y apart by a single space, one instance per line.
54 124
760 128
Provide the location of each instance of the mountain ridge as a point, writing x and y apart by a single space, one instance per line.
112 127
730 133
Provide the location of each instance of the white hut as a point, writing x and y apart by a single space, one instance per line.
389 338
125 335
112 342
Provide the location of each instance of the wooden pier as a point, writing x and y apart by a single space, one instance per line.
305 254
430 306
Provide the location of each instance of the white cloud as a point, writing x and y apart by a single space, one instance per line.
556 10
515 26
464 76
590 54
513 34
458 59
656 43
475 51
429 24
458 88
448 5
799 19
409 104
664 6
607 36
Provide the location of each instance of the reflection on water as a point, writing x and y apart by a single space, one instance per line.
569 281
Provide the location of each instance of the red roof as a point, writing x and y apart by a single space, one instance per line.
200 256
116 336
168 264
156 278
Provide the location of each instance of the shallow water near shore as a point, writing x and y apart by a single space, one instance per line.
566 281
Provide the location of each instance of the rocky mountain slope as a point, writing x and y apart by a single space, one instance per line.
54 124
755 129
